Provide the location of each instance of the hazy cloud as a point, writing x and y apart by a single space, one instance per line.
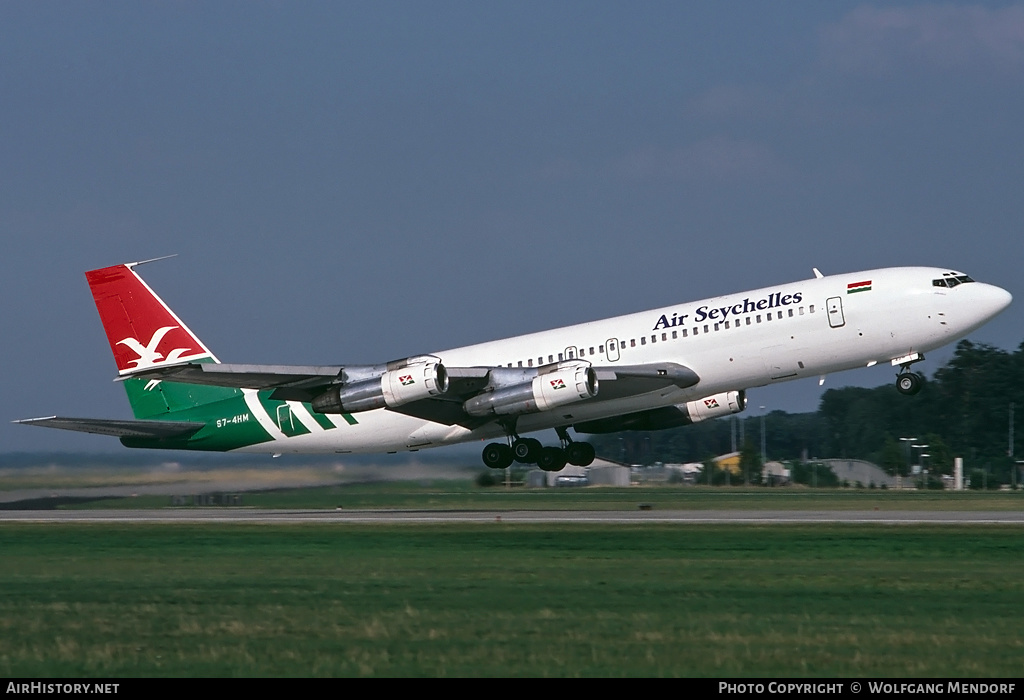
714 158
871 39
731 101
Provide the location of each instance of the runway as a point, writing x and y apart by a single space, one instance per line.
691 517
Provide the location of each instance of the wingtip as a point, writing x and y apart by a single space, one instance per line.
29 421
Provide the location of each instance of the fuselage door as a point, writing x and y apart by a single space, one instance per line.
570 352
834 305
612 349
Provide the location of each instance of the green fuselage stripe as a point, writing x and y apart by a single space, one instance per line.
321 420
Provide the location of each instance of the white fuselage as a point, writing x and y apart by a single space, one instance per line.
733 342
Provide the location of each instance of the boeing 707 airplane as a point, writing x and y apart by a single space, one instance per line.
645 371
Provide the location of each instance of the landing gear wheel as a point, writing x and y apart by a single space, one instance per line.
526 450
908 383
580 454
551 459
497 456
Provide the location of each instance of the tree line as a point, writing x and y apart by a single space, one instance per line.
963 410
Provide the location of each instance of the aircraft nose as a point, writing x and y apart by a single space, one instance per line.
991 300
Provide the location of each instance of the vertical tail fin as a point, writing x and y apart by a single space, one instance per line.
142 330
143 333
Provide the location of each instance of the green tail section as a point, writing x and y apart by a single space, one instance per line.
229 423
144 334
163 398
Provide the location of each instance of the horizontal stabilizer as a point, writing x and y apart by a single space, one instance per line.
119 428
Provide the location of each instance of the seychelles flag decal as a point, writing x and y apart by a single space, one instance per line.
858 287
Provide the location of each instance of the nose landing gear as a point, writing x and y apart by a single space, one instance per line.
907 382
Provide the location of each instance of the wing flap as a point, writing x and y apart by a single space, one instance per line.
119 428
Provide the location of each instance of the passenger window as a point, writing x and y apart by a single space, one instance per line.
551 358
727 325
716 326
520 363
600 348
632 342
560 357
675 335
705 329
664 336
748 320
695 330
801 311
811 307
529 362
791 313
759 318
643 340
591 350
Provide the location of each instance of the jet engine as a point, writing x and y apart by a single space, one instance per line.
394 387
547 390
716 406
669 416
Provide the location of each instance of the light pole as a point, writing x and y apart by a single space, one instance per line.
920 456
764 452
906 443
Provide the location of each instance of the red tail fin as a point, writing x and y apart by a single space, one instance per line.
143 332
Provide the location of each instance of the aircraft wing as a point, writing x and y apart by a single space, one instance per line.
119 428
290 382
304 383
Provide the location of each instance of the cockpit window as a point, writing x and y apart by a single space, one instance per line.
951 279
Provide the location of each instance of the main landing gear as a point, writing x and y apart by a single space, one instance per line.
531 451
907 382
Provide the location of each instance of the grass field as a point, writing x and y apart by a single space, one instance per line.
464 495
500 600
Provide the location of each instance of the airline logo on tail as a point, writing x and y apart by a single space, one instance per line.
148 353
142 331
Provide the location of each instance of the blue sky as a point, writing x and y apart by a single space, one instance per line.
355 182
